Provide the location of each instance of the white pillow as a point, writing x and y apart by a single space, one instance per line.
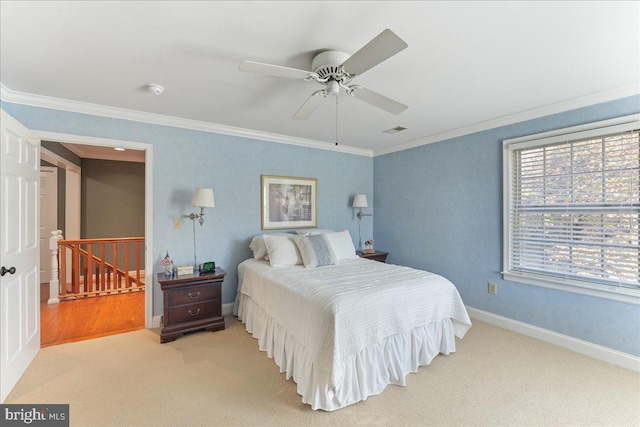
315 250
342 245
259 248
282 250
314 231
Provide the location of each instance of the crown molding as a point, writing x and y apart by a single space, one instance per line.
8 95
585 101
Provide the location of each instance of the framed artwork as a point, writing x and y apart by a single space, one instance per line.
288 202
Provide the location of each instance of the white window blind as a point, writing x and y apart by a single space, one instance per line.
573 208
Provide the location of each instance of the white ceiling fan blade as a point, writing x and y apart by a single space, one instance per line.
377 100
384 46
310 105
273 70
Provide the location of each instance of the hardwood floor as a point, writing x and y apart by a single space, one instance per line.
87 318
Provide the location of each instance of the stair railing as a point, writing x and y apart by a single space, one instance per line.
98 267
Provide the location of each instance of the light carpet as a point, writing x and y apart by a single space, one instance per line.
495 378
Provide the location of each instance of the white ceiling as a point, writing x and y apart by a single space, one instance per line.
467 64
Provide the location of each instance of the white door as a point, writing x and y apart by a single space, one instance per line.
19 252
48 216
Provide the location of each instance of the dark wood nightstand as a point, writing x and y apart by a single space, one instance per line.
191 302
376 256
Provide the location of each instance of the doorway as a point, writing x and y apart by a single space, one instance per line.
88 318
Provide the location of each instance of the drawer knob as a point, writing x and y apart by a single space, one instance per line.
194 296
196 313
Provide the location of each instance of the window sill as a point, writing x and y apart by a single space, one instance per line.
614 293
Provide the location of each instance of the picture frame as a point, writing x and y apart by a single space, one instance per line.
288 202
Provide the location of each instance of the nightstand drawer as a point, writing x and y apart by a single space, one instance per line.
193 294
192 312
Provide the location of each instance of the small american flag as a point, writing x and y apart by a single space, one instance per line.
166 260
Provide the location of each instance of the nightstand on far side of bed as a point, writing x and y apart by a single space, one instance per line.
376 256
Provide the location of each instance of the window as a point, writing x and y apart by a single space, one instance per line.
572 208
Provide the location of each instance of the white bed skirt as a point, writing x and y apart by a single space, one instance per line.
365 374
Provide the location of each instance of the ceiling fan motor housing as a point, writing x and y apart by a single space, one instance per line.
327 64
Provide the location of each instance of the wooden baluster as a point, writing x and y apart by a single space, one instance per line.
127 277
104 285
94 272
114 262
88 279
54 282
138 264
83 284
75 281
62 253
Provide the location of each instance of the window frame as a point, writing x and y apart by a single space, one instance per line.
616 293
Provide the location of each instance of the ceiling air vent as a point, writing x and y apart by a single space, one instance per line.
395 129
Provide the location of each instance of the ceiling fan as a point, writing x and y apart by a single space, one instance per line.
336 70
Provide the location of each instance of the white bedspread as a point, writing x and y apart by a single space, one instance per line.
337 311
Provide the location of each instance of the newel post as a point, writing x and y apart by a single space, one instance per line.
54 283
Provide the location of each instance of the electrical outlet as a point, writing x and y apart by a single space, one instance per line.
177 223
493 288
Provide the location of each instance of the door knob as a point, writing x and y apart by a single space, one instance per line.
4 271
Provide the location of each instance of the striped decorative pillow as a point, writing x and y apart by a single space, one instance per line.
315 250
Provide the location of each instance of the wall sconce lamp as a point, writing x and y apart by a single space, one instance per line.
360 201
202 198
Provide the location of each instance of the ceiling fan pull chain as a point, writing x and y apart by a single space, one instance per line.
337 118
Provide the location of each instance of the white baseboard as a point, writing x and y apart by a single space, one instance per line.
155 321
605 354
226 309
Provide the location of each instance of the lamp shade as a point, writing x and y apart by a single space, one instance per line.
359 201
203 198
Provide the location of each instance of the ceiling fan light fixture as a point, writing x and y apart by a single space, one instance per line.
333 87
154 88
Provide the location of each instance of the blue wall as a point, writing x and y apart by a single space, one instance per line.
436 207
185 159
439 208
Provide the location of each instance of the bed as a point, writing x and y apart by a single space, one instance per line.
345 327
